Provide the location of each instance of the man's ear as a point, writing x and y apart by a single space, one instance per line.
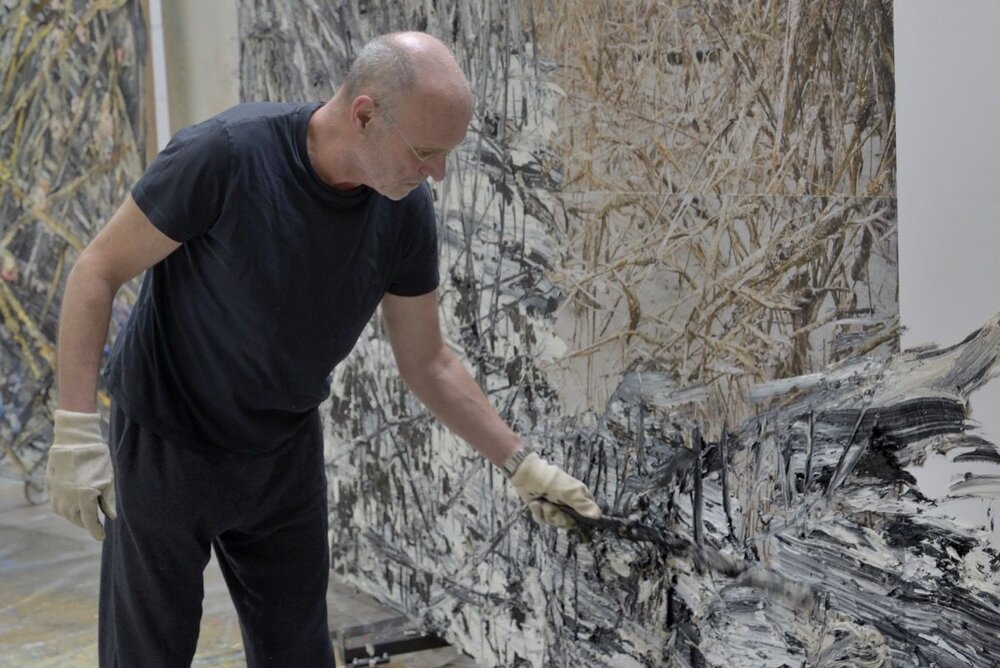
362 110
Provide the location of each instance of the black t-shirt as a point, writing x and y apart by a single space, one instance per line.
234 335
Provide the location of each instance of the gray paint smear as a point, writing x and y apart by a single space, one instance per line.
817 492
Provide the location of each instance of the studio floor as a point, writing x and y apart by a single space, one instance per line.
48 599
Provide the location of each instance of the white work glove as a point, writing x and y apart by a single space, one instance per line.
541 485
79 475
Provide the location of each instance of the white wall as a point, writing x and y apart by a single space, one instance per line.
948 134
201 41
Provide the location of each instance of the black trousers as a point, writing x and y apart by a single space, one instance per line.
266 517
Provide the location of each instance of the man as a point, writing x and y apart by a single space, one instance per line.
271 232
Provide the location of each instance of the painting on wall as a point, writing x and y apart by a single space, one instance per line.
668 254
72 141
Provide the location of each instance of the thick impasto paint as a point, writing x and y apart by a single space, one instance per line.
662 207
668 254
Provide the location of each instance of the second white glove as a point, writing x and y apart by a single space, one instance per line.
79 474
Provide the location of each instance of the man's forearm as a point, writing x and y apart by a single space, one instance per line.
83 330
453 396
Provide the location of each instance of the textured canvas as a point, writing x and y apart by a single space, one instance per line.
72 142
669 256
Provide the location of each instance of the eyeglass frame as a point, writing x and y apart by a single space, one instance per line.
416 154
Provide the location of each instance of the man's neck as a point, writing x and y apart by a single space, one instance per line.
328 152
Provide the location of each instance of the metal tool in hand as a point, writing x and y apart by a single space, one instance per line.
704 556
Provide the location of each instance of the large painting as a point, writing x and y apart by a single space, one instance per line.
72 141
669 256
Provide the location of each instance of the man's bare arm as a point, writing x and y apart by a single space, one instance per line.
128 244
439 379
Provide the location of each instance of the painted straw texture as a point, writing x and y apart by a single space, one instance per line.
71 144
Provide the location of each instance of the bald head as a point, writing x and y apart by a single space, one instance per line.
404 106
403 64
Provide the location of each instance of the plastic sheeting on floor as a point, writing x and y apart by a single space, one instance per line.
49 574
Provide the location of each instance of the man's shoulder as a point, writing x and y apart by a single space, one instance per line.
248 118
254 127
249 112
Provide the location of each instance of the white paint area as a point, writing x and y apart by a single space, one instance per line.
947 110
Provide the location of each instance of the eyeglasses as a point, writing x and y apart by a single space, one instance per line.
421 157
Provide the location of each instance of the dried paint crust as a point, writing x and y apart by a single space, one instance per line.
813 489
685 198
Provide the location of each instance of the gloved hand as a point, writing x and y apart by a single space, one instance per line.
79 475
537 481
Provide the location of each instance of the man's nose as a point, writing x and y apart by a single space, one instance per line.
435 167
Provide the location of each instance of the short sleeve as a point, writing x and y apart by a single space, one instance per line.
417 254
183 190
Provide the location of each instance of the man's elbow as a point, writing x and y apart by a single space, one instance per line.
87 278
420 373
